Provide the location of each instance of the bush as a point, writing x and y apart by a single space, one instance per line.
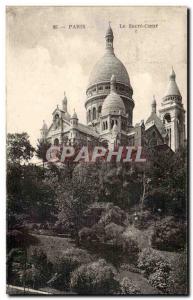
159 279
113 214
113 231
127 287
99 231
70 260
143 220
94 278
150 261
155 268
40 269
169 235
32 277
87 235
179 276
33 273
129 246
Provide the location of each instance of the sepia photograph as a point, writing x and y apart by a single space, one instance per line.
97 150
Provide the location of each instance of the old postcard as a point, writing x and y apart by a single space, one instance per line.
97 150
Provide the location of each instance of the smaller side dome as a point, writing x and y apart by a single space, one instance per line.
113 104
172 89
74 115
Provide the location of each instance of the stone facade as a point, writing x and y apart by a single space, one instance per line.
109 111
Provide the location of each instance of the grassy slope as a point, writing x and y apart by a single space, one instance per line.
54 246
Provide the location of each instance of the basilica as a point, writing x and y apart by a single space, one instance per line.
109 111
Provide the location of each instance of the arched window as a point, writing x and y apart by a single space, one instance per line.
94 113
56 121
106 125
112 123
56 142
167 118
89 115
99 109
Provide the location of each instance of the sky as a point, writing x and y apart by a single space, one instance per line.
43 62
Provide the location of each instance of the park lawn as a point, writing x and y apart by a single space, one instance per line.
53 246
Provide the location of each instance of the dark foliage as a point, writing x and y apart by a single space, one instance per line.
94 278
169 235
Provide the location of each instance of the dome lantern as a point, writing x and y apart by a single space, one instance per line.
109 39
172 75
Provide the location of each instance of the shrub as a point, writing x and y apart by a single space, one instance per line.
169 235
67 263
159 279
127 287
87 235
32 277
129 246
35 272
142 220
113 231
41 267
113 214
179 276
99 231
155 268
150 261
94 278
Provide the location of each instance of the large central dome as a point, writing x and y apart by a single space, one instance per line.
99 87
108 65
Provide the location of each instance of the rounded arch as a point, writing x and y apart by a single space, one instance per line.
56 142
167 118
94 113
89 115
105 143
99 109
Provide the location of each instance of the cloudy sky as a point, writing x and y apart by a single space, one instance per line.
43 62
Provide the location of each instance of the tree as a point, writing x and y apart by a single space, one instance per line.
41 150
18 241
165 191
74 195
19 148
70 260
169 234
30 194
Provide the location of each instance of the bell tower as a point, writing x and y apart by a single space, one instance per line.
172 114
